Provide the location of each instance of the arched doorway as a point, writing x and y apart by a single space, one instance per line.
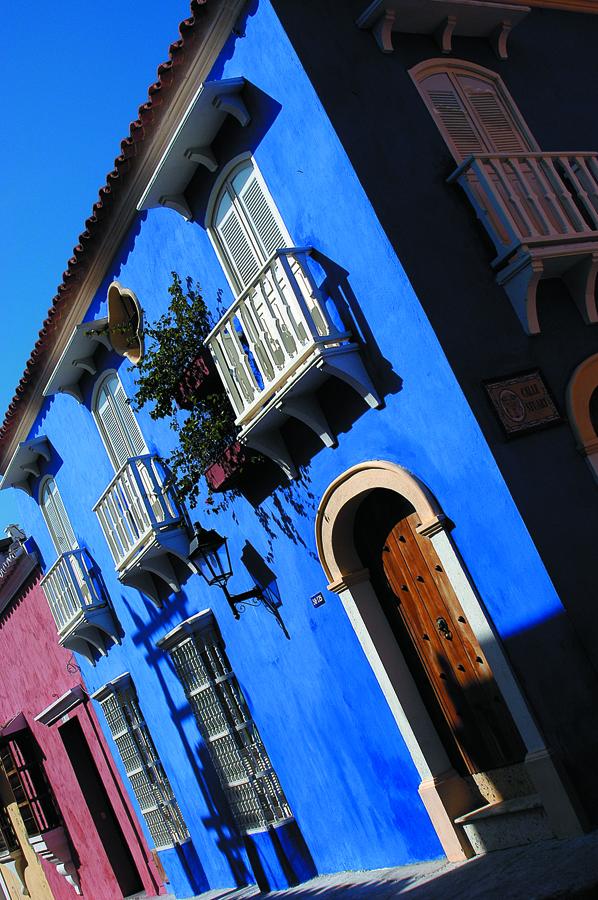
383 543
444 656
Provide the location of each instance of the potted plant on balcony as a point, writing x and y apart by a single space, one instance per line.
177 377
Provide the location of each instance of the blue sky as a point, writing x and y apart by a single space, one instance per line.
74 75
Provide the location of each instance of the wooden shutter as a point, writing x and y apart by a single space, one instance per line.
501 131
59 526
247 224
242 257
474 113
118 423
451 115
259 209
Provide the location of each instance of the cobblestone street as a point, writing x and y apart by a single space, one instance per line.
554 869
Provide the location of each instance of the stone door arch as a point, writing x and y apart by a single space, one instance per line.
445 793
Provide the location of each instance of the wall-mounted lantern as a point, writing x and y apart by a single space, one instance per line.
210 556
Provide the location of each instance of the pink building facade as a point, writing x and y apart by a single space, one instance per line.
62 798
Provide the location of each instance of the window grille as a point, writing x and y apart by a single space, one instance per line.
54 513
117 423
254 792
9 842
142 765
29 784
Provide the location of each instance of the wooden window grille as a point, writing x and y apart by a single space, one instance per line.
237 751
143 767
31 789
9 841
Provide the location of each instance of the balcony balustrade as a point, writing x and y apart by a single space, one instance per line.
144 525
79 605
274 347
541 212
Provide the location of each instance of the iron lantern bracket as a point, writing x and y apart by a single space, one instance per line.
253 597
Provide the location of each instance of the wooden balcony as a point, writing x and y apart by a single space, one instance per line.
145 527
79 604
274 347
541 212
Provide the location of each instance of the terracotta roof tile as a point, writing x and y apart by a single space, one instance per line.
149 115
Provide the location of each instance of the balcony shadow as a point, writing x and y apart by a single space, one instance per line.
218 819
331 390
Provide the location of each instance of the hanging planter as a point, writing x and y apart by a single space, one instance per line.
225 472
177 373
198 379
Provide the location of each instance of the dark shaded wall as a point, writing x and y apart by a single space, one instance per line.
402 163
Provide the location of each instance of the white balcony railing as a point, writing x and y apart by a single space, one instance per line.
533 198
270 330
137 505
72 589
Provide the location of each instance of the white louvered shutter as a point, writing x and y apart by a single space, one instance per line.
259 209
59 526
472 114
247 225
243 258
118 424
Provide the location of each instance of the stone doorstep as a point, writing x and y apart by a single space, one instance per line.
501 808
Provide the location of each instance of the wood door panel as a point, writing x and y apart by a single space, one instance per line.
454 663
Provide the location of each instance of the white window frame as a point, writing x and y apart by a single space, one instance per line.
162 815
64 521
256 798
229 172
109 373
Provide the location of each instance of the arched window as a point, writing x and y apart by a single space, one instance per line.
53 511
245 224
472 109
116 422
582 409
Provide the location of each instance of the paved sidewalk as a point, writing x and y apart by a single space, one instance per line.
552 869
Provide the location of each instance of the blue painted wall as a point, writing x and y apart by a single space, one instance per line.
330 734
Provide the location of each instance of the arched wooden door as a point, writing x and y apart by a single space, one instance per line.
446 660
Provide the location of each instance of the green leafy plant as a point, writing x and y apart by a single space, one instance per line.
172 344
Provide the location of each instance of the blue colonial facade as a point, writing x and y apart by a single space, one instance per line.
364 400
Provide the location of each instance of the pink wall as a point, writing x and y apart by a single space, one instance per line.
33 675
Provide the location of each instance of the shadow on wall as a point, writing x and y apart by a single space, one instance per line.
278 857
341 405
218 820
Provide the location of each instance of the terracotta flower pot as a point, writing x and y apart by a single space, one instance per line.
197 378
222 474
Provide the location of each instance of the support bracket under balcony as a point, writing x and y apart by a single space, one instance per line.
576 265
53 846
159 565
16 862
95 630
298 399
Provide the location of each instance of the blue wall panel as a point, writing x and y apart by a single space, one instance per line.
333 741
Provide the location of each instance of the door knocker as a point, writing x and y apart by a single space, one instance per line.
443 628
